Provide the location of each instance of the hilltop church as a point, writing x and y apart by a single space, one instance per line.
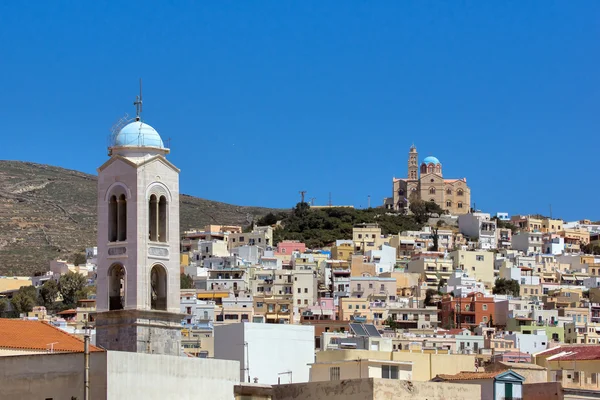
427 183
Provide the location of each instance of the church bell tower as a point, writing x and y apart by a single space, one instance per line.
413 164
138 244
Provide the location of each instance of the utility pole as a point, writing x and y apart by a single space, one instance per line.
302 193
329 199
312 201
369 201
86 362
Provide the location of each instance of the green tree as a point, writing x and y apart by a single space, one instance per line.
507 286
79 259
48 293
391 323
4 303
24 299
422 210
436 239
71 287
268 220
186 282
429 297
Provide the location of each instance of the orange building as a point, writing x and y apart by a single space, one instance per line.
467 311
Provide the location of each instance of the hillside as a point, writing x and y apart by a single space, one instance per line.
320 227
49 212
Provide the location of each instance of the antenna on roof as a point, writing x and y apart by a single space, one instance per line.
138 104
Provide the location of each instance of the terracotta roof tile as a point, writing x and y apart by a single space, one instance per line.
469 375
37 335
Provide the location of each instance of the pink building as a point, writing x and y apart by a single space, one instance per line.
287 247
323 309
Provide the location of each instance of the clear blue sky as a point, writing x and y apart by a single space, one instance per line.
265 98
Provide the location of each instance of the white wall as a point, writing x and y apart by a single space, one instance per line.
529 343
271 349
152 376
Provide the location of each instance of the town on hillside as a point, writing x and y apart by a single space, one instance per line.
423 295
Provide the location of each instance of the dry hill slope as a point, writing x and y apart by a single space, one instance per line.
49 212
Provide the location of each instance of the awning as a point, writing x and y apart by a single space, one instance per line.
431 276
580 278
567 278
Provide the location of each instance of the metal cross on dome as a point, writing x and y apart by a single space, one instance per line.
138 103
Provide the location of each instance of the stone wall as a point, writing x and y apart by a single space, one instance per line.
51 376
375 389
543 391
151 332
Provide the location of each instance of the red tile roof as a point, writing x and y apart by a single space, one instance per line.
18 334
469 375
572 352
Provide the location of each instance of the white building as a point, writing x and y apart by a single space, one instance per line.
460 285
249 254
554 244
502 216
384 258
271 353
481 226
529 343
529 243
209 249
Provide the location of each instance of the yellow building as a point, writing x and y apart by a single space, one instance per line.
427 183
432 266
343 251
574 366
367 237
582 333
550 225
425 366
477 264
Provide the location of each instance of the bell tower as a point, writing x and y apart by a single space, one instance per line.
413 161
138 244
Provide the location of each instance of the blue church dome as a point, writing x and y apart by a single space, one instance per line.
138 134
431 160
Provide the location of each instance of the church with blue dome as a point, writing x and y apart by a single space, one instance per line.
425 181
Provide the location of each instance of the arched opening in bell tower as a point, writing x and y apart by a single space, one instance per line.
152 218
162 219
117 218
116 287
158 288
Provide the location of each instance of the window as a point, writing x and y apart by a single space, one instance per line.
334 373
484 307
299 301
479 258
432 190
305 290
459 192
389 371
448 191
299 290
594 379
460 205
448 203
